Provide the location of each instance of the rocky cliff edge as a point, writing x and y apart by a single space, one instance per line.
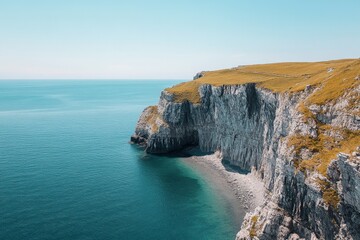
301 136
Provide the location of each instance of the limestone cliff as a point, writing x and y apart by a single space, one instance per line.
289 138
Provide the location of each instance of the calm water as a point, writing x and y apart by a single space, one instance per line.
68 172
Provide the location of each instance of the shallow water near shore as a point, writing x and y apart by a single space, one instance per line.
67 170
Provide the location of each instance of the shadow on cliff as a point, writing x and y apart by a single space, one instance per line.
232 168
194 152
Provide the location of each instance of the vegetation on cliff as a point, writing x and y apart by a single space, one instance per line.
334 77
151 117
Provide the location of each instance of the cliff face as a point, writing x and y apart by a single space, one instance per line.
264 131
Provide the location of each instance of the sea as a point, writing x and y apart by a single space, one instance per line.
68 171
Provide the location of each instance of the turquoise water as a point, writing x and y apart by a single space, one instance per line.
68 172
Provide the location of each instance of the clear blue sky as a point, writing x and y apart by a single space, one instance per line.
141 39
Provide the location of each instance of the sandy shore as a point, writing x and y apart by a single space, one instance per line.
244 192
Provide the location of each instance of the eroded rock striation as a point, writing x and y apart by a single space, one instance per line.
293 145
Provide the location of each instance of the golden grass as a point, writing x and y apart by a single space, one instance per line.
335 86
325 147
354 102
187 91
151 117
254 220
330 195
279 77
305 111
299 142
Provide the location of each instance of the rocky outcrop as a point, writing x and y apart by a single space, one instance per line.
252 128
298 210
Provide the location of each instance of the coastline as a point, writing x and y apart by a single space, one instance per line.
243 191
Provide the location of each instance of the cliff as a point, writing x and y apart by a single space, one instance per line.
296 125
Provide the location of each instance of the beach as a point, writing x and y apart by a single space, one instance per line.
243 191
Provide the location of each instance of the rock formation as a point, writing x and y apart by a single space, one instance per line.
293 143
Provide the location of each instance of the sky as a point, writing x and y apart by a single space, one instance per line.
139 39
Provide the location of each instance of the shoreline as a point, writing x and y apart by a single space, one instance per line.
243 192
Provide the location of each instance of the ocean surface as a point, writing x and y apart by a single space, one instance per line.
67 170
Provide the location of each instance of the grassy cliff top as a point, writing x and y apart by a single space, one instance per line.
334 76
